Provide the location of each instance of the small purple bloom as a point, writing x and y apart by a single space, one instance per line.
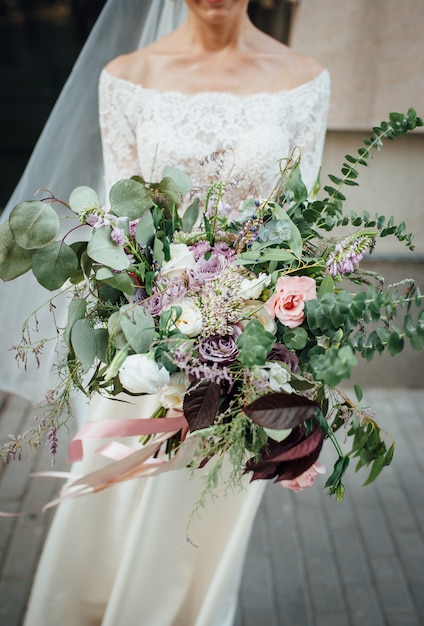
199 249
95 221
132 227
222 248
118 237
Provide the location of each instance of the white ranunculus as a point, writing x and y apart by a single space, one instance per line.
255 308
140 373
278 376
251 288
171 396
190 322
181 259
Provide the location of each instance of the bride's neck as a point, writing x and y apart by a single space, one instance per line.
202 37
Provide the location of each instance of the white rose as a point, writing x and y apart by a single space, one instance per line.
181 259
255 308
251 288
278 377
140 373
190 322
171 396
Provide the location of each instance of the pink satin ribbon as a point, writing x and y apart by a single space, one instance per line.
108 429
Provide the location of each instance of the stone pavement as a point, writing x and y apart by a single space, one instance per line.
311 561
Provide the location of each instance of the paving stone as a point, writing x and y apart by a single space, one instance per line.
363 603
318 562
391 585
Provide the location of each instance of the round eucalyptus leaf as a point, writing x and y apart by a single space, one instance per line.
76 311
115 332
102 249
128 198
84 198
102 339
14 260
121 281
84 343
145 229
138 327
169 188
182 181
54 264
34 224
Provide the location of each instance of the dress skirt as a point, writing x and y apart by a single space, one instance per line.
121 557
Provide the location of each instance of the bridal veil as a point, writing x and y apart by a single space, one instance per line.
68 154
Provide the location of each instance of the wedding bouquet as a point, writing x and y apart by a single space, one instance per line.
240 319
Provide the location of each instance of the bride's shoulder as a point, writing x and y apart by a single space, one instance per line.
289 66
134 66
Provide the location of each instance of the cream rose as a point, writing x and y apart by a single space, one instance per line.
190 322
181 259
251 288
288 302
140 373
278 377
171 396
255 308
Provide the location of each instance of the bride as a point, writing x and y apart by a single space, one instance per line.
216 98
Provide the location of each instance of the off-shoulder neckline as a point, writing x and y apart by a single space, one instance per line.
137 87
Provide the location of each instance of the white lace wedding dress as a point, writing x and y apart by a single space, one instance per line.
119 558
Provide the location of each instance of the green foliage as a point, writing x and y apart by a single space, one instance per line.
254 344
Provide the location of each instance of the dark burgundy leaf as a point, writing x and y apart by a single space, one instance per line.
288 459
201 403
281 410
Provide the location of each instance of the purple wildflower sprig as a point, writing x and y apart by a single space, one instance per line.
348 253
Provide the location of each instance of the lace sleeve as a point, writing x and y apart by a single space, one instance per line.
118 135
311 130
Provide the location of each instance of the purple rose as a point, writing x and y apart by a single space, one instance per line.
281 353
220 349
199 249
222 248
207 269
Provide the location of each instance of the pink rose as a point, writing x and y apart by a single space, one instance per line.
305 480
291 293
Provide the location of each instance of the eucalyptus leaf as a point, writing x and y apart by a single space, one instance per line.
34 224
169 188
102 340
138 327
14 260
129 198
120 281
191 215
102 249
84 343
145 229
158 253
54 264
83 199
181 179
278 435
115 331
76 311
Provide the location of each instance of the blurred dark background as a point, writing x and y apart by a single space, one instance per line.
39 43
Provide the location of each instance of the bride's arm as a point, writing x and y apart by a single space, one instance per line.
118 135
312 126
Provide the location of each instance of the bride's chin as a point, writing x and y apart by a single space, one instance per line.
217 9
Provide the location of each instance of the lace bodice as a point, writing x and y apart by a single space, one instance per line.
212 135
